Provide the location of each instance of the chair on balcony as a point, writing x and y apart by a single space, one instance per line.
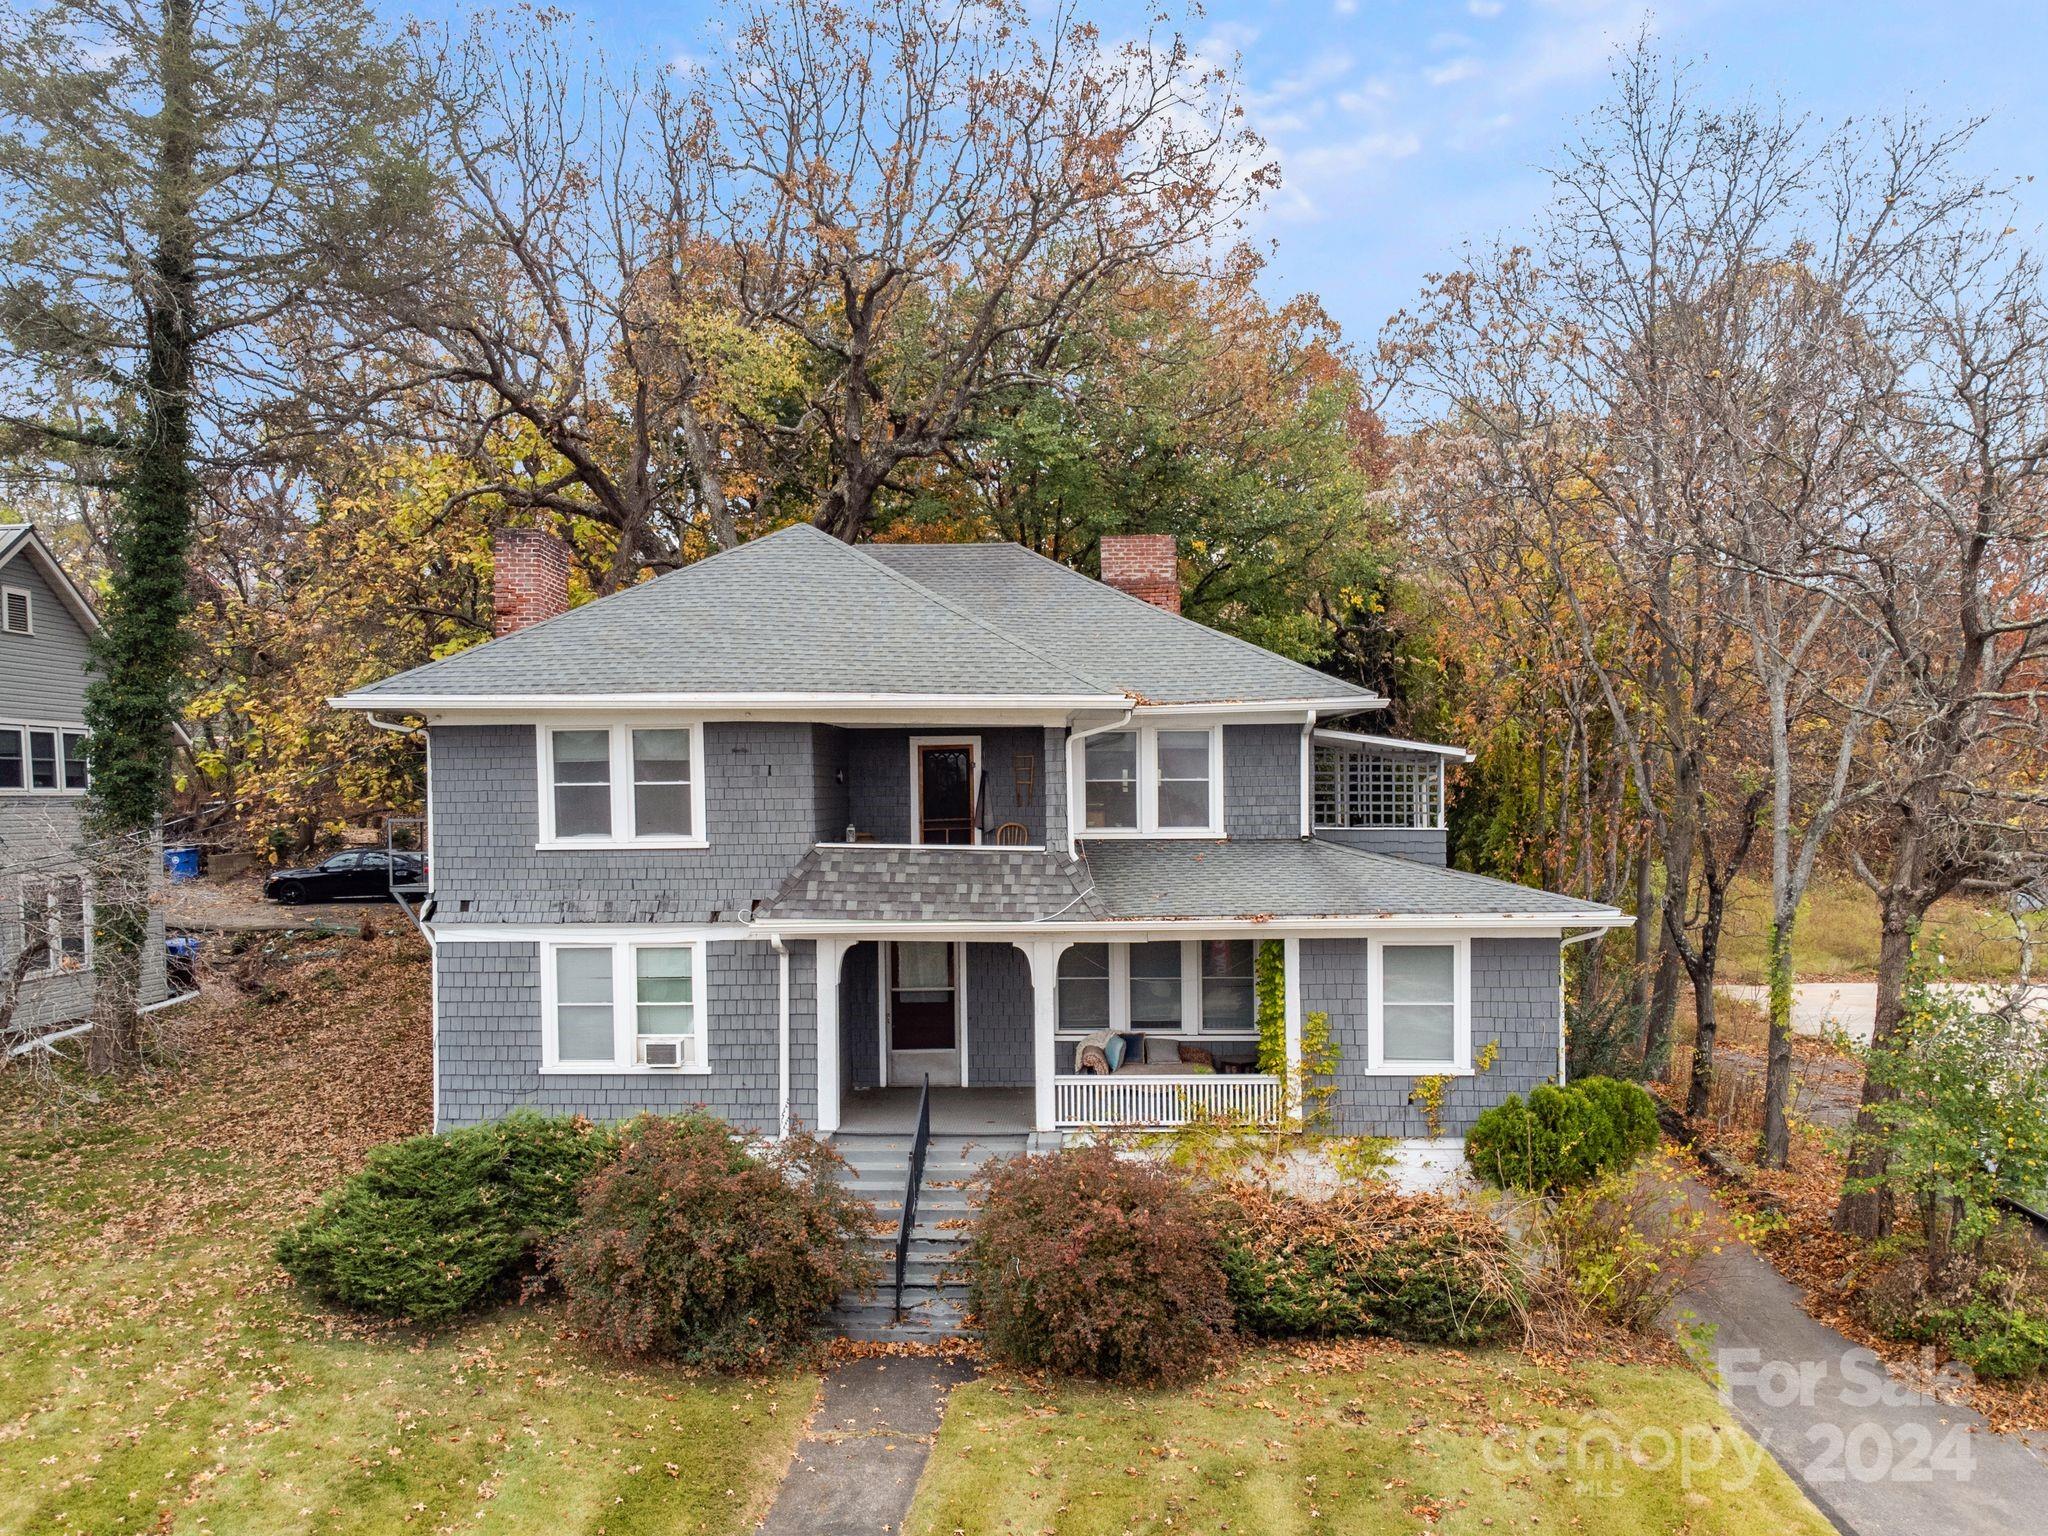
1013 834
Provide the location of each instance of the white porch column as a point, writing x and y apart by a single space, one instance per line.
1044 955
830 953
1290 1006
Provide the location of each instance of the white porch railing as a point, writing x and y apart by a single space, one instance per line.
1156 1102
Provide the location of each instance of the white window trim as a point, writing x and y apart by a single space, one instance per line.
973 745
28 604
61 728
624 1010
1376 1064
1191 1020
621 742
1148 783
53 963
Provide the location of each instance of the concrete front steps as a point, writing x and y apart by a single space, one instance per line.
934 1292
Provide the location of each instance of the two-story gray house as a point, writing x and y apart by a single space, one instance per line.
46 973
792 828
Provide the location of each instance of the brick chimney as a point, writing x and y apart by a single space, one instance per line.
1144 565
529 578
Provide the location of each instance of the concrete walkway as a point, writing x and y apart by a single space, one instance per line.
1879 1457
858 1464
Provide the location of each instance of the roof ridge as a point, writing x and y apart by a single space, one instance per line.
1237 640
975 619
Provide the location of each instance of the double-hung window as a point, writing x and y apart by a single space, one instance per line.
1419 1006
1160 987
624 1006
1151 781
42 759
615 785
56 925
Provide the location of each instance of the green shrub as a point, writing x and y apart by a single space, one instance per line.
693 1246
1626 1243
1090 1265
1562 1137
435 1226
1368 1261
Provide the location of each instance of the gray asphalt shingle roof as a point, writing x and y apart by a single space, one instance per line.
1121 642
801 612
1140 880
1296 878
900 885
796 612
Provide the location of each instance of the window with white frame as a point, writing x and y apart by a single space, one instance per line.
17 616
1150 780
609 785
624 1006
1420 1006
42 759
1163 987
55 924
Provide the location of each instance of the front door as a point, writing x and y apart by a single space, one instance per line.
924 1017
945 792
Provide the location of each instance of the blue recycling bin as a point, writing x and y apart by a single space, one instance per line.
182 863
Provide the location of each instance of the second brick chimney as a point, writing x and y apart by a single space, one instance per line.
1144 565
529 578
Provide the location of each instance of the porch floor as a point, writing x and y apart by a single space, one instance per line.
955 1111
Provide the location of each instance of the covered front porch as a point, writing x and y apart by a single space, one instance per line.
998 1025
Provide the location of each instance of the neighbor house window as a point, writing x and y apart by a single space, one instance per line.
55 924
42 759
1150 780
624 1006
1084 988
614 785
1229 1003
1419 1009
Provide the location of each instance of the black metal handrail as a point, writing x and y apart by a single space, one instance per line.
911 1187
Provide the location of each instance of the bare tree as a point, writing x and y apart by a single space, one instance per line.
1950 567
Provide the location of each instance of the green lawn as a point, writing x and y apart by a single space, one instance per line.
161 1374
1397 1440
1836 938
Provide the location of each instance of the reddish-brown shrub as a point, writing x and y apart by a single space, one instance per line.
692 1246
1090 1265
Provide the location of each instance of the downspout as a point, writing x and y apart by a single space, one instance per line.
1308 770
782 1033
1563 945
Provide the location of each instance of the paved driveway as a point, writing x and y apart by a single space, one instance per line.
1880 1457
1851 1006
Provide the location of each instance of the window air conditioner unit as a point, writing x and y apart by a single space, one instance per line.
661 1051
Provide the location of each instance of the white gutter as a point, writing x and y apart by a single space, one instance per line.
1395 743
406 702
1543 923
781 1033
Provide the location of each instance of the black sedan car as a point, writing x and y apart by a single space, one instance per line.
365 874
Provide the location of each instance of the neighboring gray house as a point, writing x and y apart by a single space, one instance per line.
46 978
797 826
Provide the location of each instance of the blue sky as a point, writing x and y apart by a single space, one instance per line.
1405 127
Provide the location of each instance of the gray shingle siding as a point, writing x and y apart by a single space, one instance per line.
760 801
1418 843
999 1016
1262 780
42 675
1054 763
1514 1002
829 803
878 779
490 1042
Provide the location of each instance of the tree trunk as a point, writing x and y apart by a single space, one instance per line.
131 704
1867 1212
1702 1087
1776 1150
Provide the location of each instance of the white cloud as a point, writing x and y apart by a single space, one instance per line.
1452 72
1485 10
1345 7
